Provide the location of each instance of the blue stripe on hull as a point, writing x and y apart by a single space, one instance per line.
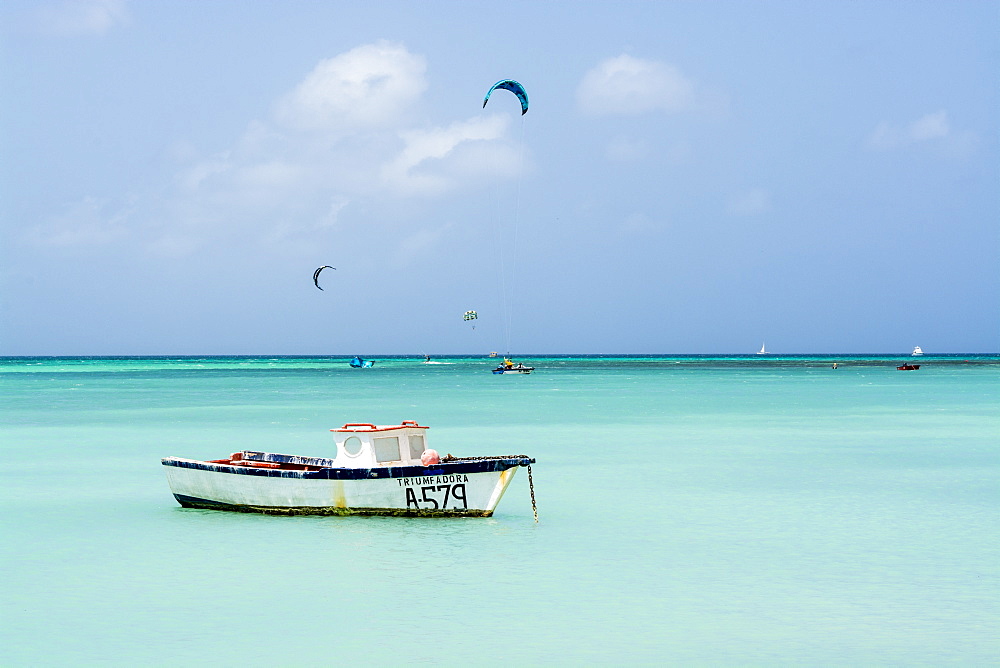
194 502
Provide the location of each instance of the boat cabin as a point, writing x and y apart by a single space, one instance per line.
363 445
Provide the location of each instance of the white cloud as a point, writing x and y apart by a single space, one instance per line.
369 86
412 249
751 202
306 231
82 17
192 177
345 140
345 134
270 175
412 171
627 85
932 126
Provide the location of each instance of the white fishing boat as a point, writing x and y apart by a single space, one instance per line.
375 470
917 351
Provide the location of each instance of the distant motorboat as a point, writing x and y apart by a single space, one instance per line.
908 367
508 367
359 363
917 351
762 351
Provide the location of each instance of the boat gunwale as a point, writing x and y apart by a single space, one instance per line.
464 465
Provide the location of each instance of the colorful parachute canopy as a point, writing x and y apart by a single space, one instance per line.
470 315
316 274
513 87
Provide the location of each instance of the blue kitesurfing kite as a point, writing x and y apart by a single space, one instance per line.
513 87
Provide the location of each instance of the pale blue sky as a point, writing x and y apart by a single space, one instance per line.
692 177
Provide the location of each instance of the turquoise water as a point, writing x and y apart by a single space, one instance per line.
696 510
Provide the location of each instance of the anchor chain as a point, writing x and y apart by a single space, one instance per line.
531 482
531 486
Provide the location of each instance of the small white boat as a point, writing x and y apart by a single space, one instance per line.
762 351
917 351
377 470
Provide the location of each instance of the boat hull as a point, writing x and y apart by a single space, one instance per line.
466 488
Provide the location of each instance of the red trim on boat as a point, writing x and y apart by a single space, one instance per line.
407 424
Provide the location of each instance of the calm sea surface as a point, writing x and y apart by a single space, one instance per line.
694 510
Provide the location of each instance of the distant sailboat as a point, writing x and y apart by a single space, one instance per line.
762 351
917 351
